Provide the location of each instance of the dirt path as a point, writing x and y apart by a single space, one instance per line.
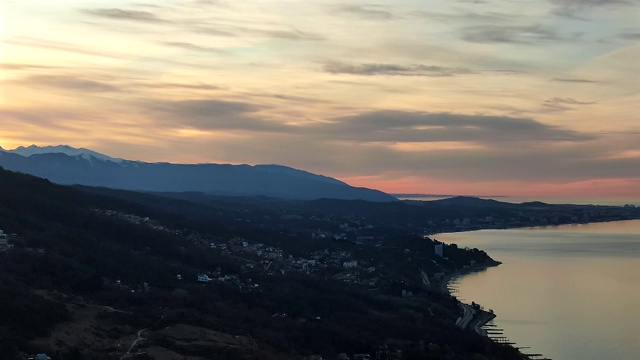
140 332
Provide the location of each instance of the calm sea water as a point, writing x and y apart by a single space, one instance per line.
569 292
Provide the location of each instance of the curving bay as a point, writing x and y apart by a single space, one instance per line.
569 292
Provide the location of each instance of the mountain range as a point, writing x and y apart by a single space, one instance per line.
64 164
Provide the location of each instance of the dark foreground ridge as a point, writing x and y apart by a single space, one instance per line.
89 276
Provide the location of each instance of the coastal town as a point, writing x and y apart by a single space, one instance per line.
259 259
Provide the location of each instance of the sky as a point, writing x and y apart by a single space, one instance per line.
476 97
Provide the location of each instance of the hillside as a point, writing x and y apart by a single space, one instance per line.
85 273
383 220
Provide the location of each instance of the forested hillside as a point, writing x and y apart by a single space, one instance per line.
85 272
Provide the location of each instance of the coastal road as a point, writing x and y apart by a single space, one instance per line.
467 316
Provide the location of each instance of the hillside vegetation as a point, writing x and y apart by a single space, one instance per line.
110 267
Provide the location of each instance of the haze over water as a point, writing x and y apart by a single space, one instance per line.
570 292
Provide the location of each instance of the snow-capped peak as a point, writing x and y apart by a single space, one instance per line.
62 149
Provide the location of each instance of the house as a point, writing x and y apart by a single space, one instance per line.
4 244
351 264
361 357
40 357
439 250
203 278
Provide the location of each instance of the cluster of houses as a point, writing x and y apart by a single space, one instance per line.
139 220
4 241
257 257
383 352
270 260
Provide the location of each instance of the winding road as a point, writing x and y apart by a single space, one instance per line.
467 316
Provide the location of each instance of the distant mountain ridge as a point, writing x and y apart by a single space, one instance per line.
67 165
60 149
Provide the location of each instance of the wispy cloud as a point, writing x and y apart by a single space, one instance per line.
372 12
561 104
67 47
403 126
122 14
574 80
24 66
70 83
466 16
292 34
394 69
192 47
510 34
633 36
573 8
212 114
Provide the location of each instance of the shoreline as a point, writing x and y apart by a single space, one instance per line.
474 318
444 283
456 231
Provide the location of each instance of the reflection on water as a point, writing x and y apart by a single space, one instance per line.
570 292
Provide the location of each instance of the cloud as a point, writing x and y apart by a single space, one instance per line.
633 36
371 12
465 16
90 51
560 104
25 67
529 161
46 119
374 127
66 47
509 34
572 80
160 85
121 14
207 3
235 31
420 127
571 8
394 69
293 34
69 82
211 114
588 3
192 47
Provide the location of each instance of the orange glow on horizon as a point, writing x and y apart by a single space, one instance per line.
614 188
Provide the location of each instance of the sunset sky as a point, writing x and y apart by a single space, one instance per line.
495 97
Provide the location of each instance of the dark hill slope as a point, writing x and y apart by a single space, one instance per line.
69 250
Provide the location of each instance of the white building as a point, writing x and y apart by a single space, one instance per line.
351 264
439 249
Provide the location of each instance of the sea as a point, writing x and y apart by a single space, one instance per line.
569 292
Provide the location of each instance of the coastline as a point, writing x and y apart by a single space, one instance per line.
601 232
473 317
432 235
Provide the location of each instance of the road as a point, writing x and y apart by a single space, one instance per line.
468 314
140 332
